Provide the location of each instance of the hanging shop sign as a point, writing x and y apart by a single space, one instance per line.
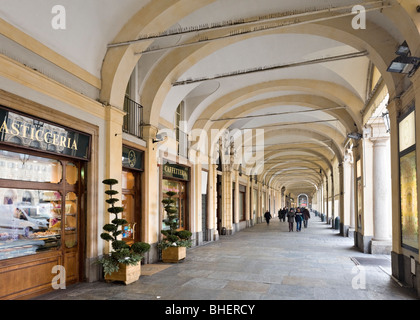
175 171
132 158
32 133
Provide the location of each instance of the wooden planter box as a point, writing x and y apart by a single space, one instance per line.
174 254
127 274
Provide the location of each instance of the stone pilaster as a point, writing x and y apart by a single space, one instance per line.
196 220
151 205
212 206
227 201
235 208
113 154
113 157
394 106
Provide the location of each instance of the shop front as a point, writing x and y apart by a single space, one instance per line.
176 178
133 167
43 170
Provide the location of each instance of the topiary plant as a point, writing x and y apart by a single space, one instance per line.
173 238
121 251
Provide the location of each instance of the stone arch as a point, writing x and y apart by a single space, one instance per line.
323 88
360 41
311 101
120 61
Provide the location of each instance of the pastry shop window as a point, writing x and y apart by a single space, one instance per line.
72 173
39 204
29 227
70 229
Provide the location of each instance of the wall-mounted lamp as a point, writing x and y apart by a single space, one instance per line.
404 63
385 116
354 135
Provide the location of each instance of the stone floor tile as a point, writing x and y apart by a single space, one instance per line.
260 263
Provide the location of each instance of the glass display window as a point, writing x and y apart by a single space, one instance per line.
409 218
39 204
25 167
28 227
71 219
72 173
179 187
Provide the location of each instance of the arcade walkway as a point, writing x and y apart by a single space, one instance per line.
260 263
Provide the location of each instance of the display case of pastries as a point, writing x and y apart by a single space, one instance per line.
14 249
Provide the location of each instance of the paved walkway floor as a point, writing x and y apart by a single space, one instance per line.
265 262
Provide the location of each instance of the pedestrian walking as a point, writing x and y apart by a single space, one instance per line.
284 213
291 218
306 217
298 219
267 217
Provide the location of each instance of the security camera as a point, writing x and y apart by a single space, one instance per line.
159 138
354 135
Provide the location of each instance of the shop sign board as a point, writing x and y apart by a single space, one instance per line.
32 133
175 171
132 158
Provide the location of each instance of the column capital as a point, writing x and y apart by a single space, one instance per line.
379 140
149 131
394 105
378 132
114 114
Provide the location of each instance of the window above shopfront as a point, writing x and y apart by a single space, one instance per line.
25 167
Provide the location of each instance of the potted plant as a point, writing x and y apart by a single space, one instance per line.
123 263
175 243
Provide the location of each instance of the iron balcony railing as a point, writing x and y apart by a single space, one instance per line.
133 120
182 138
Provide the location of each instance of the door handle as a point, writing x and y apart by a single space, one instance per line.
134 224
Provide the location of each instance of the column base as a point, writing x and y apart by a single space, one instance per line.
402 270
381 246
216 235
198 238
362 242
344 230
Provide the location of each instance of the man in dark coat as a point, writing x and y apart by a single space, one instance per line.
267 217
283 214
291 218
306 216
